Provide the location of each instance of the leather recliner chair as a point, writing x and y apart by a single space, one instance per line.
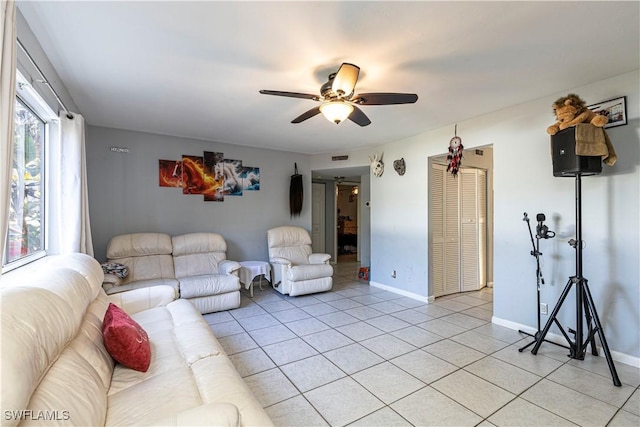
296 270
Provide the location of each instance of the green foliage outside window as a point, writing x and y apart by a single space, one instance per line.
26 210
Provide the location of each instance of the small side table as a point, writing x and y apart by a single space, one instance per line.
249 270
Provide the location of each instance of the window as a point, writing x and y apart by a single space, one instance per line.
26 237
26 222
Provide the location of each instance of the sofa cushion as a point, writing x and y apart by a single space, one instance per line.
147 267
195 254
139 244
212 414
198 243
200 286
147 255
189 370
125 339
48 324
111 288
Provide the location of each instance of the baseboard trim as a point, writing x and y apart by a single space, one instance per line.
617 356
408 294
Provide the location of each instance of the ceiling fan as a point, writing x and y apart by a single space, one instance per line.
339 101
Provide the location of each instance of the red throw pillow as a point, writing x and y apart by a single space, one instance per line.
125 340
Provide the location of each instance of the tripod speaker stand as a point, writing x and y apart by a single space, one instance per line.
584 304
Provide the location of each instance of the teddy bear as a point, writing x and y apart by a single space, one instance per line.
571 110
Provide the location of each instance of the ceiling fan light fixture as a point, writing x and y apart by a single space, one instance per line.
345 80
336 111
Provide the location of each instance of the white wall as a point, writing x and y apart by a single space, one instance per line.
524 182
124 195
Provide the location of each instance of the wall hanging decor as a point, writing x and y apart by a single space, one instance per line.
170 173
295 193
251 178
377 167
192 174
232 170
399 166
211 175
615 110
454 158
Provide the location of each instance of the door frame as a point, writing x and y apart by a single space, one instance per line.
322 224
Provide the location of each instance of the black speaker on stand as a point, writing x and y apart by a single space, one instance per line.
567 164
565 160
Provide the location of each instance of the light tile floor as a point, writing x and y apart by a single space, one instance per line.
358 355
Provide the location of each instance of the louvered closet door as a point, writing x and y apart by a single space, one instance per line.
445 225
458 227
437 229
472 229
451 235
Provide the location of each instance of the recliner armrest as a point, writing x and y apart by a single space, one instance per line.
228 267
282 261
319 258
112 279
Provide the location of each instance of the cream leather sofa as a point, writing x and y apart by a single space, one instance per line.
194 265
297 271
56 371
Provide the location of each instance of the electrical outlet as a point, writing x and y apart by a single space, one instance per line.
544 308
393 274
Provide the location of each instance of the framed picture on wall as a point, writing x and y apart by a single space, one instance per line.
614 109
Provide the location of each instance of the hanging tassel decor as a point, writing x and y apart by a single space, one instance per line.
454 158
295 193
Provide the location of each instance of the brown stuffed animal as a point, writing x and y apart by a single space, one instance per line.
571 110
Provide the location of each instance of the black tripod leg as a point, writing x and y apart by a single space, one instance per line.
605 347
552 318
526 346
591 332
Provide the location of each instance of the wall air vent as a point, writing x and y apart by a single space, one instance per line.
338 158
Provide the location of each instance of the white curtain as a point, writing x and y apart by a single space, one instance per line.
70 221
7 110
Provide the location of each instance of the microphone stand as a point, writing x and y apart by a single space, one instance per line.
539 281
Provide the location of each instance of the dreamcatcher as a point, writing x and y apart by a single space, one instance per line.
454 158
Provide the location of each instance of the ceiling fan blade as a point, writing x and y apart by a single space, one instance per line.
385 98
306 115
359 117
345 80
290 94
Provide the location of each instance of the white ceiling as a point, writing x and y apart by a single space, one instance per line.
194 69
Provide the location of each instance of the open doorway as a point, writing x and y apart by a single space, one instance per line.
347 221
351 243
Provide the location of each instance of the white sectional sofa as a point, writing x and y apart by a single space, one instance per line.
56 370
195 265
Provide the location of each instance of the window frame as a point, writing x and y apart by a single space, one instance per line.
33 101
